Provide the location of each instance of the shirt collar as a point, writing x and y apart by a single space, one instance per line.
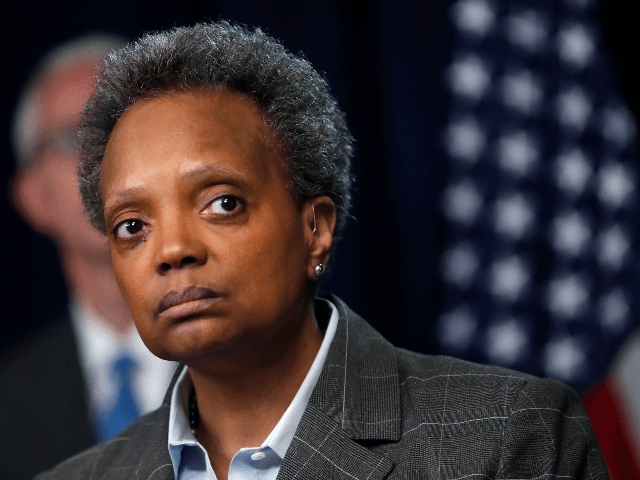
179 428
281 436
98 341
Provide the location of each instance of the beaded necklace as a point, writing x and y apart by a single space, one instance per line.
194 415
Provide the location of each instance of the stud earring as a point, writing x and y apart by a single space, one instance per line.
319 270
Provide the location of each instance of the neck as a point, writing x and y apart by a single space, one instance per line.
92 283
229 404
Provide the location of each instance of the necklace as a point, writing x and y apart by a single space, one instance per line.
194 415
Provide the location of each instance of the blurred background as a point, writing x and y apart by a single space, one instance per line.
496 196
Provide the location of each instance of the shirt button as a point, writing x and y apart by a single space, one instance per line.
257 456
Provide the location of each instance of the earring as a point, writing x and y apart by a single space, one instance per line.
319 270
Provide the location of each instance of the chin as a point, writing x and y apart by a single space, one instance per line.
191 342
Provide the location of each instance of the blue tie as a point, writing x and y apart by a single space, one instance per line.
125 410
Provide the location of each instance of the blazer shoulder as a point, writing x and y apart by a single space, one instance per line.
79 466
472 385
441 365
495 414
144 442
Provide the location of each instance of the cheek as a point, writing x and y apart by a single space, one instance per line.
134 290
273 255
130 283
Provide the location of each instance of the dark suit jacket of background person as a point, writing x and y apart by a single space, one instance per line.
43 408
380 412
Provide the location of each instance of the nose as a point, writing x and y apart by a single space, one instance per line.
179 247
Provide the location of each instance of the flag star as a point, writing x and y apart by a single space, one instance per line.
460 265
618 125
573 108
614 311
521 91
613 247
527 29
570 233
508 278
517 152
573 171
567 296
462 202
474 16
469 77
575 45
506 342
465 139
455 329
513 215
564 358
614 184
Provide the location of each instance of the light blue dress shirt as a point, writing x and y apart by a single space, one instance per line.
190 459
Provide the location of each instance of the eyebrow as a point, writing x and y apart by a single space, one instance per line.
130 195
123 198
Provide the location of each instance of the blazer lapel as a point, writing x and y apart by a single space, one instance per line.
321 449
356 401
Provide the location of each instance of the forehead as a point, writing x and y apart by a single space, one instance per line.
210 115
169 135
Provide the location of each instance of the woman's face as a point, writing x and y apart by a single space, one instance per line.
210 250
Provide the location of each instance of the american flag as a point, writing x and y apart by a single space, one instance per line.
541 266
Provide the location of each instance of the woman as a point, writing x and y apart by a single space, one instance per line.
218 166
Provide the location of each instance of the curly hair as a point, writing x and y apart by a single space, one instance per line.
294 98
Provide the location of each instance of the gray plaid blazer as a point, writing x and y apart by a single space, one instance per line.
381 412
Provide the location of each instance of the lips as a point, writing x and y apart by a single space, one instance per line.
192 300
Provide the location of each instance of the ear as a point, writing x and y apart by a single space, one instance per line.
320 221
29 198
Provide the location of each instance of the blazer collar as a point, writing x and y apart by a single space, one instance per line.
356 400
359 387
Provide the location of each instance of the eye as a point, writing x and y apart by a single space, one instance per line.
128 229
224 205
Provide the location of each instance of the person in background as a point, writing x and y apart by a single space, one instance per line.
85 374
